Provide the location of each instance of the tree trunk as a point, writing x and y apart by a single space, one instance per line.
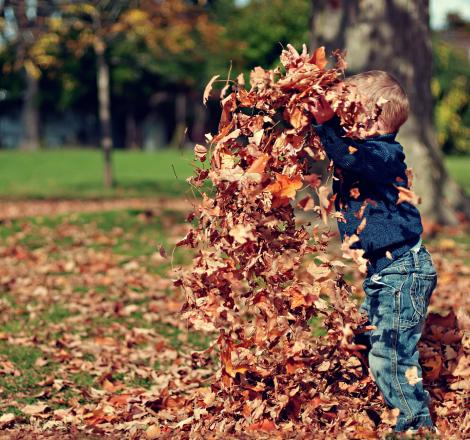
104 113
394 35
179 134
30 113
200 119
132 141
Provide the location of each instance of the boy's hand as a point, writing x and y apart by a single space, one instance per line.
322 111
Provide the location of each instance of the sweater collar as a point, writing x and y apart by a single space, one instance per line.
383 137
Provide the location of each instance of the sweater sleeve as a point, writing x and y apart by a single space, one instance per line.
374 158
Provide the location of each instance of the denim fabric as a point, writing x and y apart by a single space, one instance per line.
396 301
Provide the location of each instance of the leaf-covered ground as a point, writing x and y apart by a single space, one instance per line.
91 342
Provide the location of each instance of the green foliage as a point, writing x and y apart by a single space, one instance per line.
174 44
11 82
265 27
450 87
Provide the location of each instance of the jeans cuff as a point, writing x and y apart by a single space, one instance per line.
415 423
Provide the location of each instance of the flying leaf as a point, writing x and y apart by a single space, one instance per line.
285 186
258 165
307 203
200 152
362 225
208 88
352 149
406 195
411 375
354 193
319 58
242 233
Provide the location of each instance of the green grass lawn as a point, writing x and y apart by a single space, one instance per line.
459 168
78 173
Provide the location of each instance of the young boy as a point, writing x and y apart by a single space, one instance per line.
401 276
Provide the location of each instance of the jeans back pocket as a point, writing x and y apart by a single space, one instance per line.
414 299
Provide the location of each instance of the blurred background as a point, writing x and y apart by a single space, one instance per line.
86 80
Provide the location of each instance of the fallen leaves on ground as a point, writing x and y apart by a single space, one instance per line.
90 334
23 208
92 344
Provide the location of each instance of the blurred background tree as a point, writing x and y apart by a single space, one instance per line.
365 30
179 45
26 45
84 25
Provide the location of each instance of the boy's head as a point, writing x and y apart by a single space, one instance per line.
376 84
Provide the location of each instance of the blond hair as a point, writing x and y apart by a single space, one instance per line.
376 84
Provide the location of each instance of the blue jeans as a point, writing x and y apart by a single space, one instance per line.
396 301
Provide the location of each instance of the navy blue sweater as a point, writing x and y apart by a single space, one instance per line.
365 178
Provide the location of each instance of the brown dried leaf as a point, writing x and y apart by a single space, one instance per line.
208 88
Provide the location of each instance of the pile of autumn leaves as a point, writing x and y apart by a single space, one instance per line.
253 280
259 276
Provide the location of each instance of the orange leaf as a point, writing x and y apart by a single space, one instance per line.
119 399
228 365
319 57
298 119
297 299
285 186
246 410
111 387
354 193
232 371
263 425
406 195
352 149
174 402
259 164
98 416
292 366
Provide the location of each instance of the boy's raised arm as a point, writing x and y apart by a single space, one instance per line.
372 158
